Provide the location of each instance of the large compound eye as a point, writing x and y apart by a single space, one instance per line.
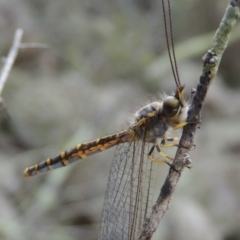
170 107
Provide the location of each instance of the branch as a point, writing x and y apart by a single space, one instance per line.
9 61
33 45
211 61
12 55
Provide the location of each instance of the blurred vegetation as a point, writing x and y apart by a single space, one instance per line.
105 59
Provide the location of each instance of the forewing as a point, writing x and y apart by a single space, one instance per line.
129 192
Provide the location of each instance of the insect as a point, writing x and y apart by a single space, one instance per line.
151 123
129 190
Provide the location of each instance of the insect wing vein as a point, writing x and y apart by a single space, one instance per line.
129 192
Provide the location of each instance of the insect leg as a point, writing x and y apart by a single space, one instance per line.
180 125
174 139
169 139
160 152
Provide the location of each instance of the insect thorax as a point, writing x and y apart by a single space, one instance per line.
154 125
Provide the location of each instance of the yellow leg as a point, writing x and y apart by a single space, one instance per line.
162 153
164 145
172 139
168 145
156 145
180 125
158 160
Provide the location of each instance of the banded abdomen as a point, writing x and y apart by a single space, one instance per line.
81 151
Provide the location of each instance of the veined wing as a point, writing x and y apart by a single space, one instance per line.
129 192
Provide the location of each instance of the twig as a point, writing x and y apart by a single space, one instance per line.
10 59
33 45
211 62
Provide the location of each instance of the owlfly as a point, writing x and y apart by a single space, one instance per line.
138 147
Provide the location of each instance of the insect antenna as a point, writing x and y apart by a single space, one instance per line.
170 41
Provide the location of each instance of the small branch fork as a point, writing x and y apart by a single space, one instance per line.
211 61
9 61
12 55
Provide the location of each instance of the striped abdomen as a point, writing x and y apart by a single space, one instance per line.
81 151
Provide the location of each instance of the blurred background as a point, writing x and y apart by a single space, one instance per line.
104 60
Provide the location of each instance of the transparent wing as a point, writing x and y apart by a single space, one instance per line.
129 192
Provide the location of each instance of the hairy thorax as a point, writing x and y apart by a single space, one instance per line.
151 123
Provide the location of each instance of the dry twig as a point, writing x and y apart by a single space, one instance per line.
11 57
210 67
9 61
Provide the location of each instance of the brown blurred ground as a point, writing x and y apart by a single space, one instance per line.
101 65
